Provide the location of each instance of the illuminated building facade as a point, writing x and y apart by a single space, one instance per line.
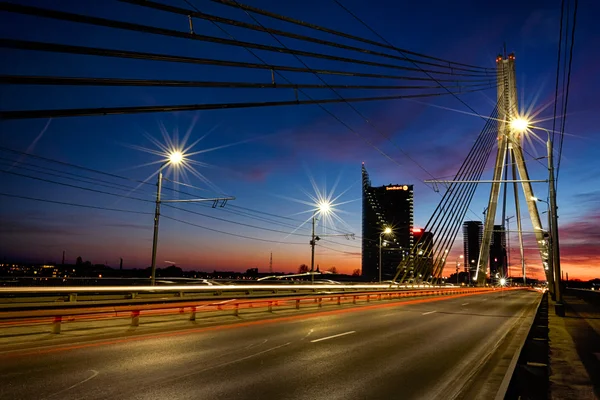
423 253
385 206
498 253
472 235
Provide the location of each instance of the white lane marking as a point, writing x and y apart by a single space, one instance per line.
464 304
257 344
430 312
308 334
94 374
483 299
333 336
227 363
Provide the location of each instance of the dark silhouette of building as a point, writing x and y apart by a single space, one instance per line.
423 252
498 252
472 235
385 206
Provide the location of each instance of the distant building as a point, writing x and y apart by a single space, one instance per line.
385 206
498 252
472 236
423 253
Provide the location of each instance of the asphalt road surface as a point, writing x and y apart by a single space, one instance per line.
417 350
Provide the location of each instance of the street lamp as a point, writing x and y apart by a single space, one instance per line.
519 124
457 264
174 158
386 231
522 125
323 208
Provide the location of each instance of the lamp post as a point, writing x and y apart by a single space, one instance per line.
522 125
554 229
323 208
312 248
174 158
386 231
457 264
550 243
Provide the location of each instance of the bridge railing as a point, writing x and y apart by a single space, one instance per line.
589 295
20 297
56 318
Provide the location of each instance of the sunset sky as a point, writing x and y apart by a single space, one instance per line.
266 157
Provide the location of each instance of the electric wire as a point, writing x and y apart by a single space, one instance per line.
85 81
213 18
367 120
110 23
229 233
103 111
74 204
566 95
243 211
105 52
560 38
255 10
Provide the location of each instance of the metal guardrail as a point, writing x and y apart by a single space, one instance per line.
56 318
190 288
11 297
591 296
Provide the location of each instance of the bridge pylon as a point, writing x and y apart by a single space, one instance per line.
510 154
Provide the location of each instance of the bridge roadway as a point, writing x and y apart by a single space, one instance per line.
417 350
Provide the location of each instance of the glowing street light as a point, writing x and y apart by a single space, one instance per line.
502 281
519 125
386 231
174 158
323 209
457 265
533 198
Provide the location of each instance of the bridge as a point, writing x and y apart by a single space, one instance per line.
305 335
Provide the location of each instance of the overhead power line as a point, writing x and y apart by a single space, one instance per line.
81 81
112 185
339 251
138 212
234 222
558 58
229 233
86 112
110 23
66 175
104 52
74 204
386 45
341 97
232 209
360 114
216 19
75 186
566 94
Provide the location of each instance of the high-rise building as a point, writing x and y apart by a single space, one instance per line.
472 235
498 252
385 206
423 254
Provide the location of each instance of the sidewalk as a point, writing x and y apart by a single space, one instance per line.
574 350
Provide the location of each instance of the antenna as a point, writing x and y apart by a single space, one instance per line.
271 263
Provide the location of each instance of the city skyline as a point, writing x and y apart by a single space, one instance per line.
267 157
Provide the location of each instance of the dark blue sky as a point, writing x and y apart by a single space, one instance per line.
275 150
